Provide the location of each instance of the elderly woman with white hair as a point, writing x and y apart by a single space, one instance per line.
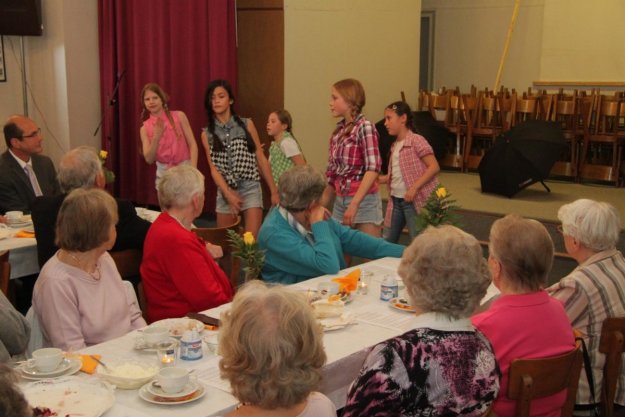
443 366
178 271
595 290
272 354
300 238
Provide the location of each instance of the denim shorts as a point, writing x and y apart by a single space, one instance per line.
250 192
369 210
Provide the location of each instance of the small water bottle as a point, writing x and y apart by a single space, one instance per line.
191 346
389 288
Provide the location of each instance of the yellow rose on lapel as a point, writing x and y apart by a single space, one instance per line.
103 154
248 238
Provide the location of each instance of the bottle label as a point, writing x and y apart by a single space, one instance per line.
190 351
388 291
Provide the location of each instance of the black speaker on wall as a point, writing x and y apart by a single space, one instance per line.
20 17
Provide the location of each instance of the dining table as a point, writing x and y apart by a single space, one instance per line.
23 249
373 321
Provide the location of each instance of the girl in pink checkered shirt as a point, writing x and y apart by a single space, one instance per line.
353 162
411 175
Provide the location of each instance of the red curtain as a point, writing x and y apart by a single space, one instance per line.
180 45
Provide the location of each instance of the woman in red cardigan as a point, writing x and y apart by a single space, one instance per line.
178 270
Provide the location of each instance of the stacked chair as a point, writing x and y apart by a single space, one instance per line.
593 125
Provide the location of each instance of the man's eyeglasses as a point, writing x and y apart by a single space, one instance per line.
32 135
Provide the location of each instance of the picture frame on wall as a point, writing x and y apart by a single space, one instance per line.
3 73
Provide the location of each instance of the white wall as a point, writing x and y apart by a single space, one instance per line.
63 73
469 40
583 41
376 42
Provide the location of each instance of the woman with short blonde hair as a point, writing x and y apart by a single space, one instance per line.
79 298
272 353
443 366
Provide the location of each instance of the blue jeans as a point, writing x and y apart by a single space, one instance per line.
403 213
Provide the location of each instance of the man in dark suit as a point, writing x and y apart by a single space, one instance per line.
81 168
24 174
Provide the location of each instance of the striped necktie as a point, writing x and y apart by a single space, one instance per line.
33 180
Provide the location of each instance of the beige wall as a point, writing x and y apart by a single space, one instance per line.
375 41
469 39
583 41
63 72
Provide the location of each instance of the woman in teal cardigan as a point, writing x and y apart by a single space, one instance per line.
302 241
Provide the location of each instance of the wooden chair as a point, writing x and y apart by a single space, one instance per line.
566 113
491 119
128 262
525 109
612 345
537 378
460 122
602 149
5 273
219 236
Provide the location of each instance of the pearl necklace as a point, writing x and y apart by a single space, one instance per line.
95 274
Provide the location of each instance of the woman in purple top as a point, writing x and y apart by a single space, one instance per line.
443 366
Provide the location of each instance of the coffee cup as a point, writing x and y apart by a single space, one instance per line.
155 334
173 380
14 216
47 359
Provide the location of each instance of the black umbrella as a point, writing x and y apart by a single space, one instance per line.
521 157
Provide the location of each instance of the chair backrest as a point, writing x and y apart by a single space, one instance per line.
37 339
127 261
5 273
612 345
219 236
537 378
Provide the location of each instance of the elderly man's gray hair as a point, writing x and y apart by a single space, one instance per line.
300 186
79 168
179 185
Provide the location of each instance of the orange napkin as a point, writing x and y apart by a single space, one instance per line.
25 233
89 364
349 282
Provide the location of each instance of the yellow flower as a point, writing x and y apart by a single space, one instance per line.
441 192
103 154
248 238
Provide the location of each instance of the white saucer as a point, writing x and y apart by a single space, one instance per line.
190 388
4 233
146 395
67 367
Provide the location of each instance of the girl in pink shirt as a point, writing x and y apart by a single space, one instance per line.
166 136
411 175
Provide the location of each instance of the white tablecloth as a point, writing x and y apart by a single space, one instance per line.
346 350
23 251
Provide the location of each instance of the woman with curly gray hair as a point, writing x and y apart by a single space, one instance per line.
524 322
272 354
443 366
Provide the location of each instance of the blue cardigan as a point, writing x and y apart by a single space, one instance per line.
290 258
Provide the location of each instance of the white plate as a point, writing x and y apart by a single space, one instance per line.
141 344
178 326
335 323
190 388
67 367
401 304
146 395
71 396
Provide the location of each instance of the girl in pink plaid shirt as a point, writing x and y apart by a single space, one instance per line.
411 175
354 162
